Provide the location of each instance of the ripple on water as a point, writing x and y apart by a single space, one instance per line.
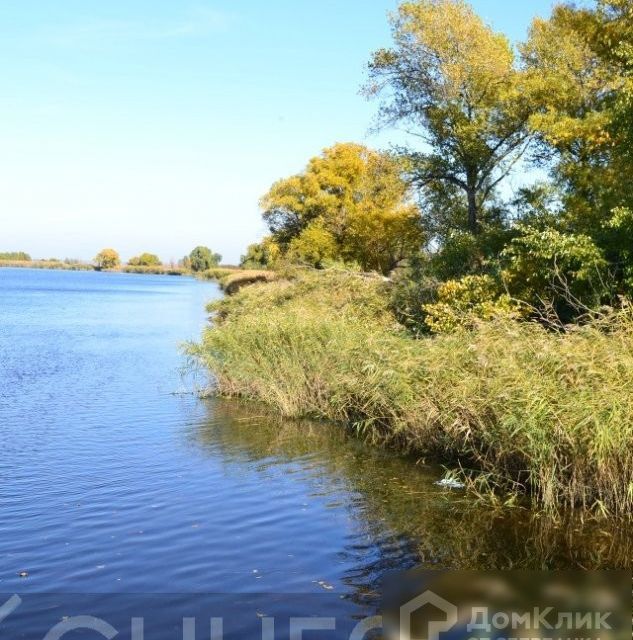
109 483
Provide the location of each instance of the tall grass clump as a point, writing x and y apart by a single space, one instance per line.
531 410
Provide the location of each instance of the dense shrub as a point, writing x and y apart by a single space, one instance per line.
465 302
548 267
145 260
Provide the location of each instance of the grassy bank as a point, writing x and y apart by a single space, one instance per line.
533 411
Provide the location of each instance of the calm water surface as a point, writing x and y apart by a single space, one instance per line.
115 478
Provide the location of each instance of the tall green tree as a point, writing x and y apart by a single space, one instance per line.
453 82
580 62
202 258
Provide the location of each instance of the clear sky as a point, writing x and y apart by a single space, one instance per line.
156 125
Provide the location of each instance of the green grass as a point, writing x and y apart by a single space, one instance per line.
530 411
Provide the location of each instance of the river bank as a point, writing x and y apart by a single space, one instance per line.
73 265
133 484
513 408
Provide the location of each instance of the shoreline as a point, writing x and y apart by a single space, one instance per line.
514 410
53 265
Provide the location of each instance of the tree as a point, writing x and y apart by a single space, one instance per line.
580 62
15 255
358 197
314 246
145 260
262 254
202 258
107 259
453 82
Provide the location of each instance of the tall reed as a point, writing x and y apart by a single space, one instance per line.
545 413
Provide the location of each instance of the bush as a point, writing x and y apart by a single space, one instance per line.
465 302
145 260
413 288
545 266
619 231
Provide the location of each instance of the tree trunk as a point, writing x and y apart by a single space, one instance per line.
473 221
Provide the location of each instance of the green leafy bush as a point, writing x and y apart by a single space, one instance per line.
145 260
462 303
546 267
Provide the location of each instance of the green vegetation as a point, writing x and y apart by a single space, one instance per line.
350 205
19 256
202 259
63 265
455 82
533 410
107 259
435 213
145 260
493 331
159 270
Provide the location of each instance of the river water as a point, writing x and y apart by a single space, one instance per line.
115 478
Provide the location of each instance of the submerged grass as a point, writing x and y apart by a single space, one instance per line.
527 409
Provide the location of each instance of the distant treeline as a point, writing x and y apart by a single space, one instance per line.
200 259
15 255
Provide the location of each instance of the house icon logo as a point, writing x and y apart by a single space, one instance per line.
434 627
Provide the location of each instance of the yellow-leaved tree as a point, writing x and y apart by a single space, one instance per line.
453 82
350 203
580 63
107 259
580 74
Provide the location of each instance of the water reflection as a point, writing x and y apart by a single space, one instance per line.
402 517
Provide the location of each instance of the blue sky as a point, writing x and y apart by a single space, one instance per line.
156 125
